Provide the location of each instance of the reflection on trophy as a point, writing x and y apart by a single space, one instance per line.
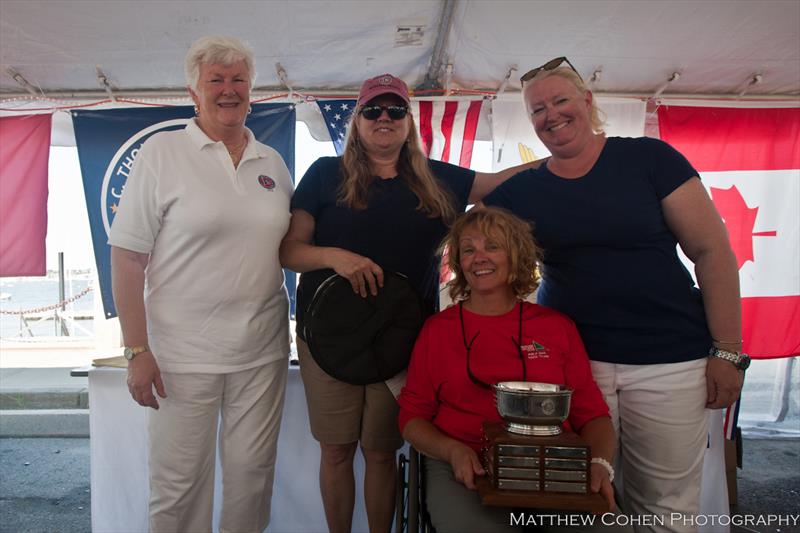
530 460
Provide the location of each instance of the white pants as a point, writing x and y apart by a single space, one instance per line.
660 416
247 407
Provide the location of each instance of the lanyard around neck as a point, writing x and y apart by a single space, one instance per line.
468 347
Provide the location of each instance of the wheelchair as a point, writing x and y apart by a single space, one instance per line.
411 513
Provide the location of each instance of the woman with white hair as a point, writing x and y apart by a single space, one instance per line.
201 299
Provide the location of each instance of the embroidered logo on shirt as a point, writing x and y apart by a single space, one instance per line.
266 182
534 350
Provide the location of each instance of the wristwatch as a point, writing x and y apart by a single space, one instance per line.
739 359
132 351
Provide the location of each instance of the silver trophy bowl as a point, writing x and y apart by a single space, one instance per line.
531 408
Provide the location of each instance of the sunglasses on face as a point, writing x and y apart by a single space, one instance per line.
373 112
550 65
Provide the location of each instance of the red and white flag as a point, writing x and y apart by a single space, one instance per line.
447 129
24 155
749 161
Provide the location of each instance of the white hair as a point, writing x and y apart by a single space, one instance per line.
217 49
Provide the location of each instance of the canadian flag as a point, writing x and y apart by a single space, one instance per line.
749 161
447 129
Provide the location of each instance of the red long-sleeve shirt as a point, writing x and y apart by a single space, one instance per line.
439 389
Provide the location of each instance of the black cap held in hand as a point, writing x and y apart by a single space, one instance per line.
363 340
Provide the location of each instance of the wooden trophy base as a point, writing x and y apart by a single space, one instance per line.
543 463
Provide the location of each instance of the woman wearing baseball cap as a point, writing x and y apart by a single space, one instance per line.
381 207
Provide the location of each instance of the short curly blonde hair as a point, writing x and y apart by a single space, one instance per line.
514 236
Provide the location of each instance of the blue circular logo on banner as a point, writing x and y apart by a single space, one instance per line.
120 167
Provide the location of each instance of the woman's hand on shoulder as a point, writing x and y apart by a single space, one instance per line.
364 274
465 464
486 182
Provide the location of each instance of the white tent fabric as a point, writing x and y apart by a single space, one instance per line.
717 47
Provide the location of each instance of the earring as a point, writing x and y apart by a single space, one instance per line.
196 111
249 109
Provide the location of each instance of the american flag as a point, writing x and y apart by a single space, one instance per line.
337 116
447 129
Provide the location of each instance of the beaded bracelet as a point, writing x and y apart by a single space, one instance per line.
605 464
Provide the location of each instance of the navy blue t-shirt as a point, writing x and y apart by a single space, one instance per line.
610 261
391 231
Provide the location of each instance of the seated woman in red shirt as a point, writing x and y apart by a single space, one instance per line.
492 335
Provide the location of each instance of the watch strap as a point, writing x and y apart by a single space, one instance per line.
133 351
739 359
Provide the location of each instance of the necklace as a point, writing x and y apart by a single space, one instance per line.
237 149
237 152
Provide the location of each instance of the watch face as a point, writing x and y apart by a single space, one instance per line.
744 362
128 353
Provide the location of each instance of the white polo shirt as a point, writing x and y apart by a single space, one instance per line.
214 292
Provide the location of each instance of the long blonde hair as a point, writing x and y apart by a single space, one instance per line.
412 167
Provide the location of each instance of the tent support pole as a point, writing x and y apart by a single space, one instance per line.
438 56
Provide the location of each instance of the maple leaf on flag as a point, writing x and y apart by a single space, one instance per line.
739 220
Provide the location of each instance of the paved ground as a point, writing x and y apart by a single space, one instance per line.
769 482
44 482
42 388
44 485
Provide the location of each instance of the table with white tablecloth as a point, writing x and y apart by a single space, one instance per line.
119 472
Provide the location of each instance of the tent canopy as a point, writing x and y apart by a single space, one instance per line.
717 47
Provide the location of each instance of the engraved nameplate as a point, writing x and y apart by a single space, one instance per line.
512 449
517 484
565 475
566 452
530 462
570 464
525 473
561 486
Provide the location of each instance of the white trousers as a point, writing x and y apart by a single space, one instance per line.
247 408
660 416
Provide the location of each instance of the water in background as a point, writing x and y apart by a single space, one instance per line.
770 403
33 293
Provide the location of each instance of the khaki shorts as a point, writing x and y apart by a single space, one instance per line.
341 413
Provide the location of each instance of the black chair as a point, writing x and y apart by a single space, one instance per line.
411 513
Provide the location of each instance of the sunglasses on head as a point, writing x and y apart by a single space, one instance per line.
550 65
395 112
